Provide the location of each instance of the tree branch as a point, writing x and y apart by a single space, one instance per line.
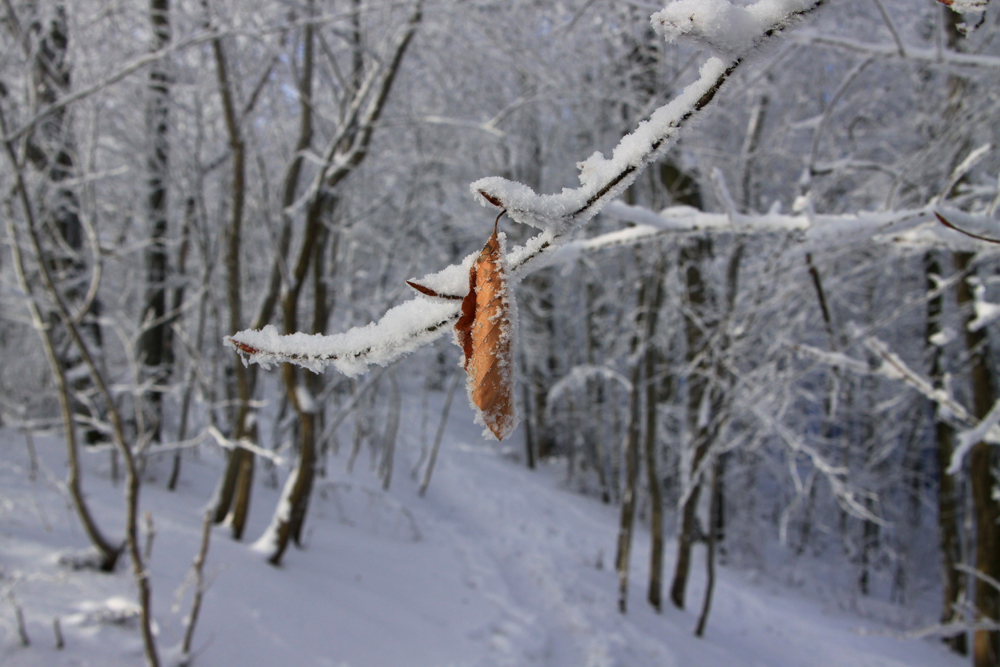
422 320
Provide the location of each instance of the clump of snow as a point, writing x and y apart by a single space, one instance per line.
943 337
451 282
305 400
520 201
986 430
728 28
986 312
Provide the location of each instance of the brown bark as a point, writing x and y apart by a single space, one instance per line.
985 643
714 518
655 592
953 580
627 522
155 344
182 252
691 258
236 463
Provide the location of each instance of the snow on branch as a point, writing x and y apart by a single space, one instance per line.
986 312
894 368
578 377
603 179
985 431
919 227
401 330
726 27
890 50
244 443
420 321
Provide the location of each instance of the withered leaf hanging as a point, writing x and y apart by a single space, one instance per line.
486 332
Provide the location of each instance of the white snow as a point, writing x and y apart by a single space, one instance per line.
304 398
496 566
452 281
943 337
986 312
728 28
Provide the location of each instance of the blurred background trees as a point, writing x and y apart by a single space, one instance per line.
198 167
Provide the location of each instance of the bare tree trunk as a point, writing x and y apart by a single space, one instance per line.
51 149
529 439
391 431
198 570
154 345
538 313
240 510
107 553
953 580
291 512
626 524
237 466
985 643
595 390
655 593
754 131
189 209
715 508
699 398
294 501
456 378
829 401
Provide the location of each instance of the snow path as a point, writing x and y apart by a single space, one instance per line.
497 566
544 544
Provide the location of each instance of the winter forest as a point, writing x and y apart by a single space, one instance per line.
723 277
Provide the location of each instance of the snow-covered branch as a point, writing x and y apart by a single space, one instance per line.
894 368
887 51
420 321
244 443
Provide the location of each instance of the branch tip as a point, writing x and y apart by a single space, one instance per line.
958 229
493 200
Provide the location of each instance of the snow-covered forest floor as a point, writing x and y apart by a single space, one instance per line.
497 565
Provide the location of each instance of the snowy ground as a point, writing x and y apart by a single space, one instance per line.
496 566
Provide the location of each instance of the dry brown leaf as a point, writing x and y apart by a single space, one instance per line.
485 333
